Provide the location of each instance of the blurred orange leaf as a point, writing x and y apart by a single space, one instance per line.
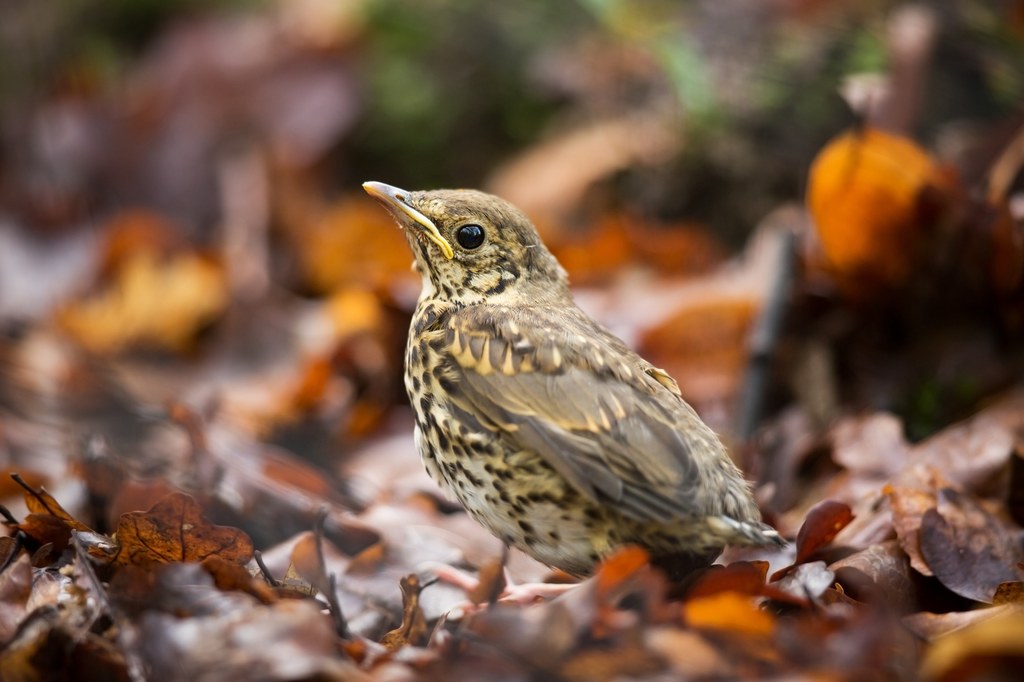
729 612
151 301
353 244
743 577
704 346
174 530
618 568
867 196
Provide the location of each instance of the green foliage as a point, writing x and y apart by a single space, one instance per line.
450 87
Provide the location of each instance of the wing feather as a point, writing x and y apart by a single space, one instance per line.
615 431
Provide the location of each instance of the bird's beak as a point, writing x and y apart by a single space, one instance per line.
393 199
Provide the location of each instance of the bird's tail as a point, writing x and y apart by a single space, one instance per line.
746 533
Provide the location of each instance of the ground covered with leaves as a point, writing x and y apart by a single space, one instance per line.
206 461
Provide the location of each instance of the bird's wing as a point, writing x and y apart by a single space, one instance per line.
611 424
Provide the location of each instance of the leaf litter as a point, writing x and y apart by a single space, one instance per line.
209 472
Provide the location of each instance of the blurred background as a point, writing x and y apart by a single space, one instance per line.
184 245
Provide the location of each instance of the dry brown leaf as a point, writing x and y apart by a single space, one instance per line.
912 494
15 590
43 503
887 569
288 640
969 550
229 575
550 179
872 445
689 654
1009 593
174 530
931 626
48 524
823 523
989 650
413 630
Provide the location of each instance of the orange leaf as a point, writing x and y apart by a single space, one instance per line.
618 568
175 530
821 526
866 193
730 612
741 577
43 503
703 345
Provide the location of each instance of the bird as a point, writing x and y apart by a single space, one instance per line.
550 431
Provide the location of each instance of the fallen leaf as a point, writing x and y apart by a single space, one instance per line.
152 302
742 577
730 612
931 626
490 582
615 571
911 495
970 551
15 589
688 653
990 650
1009 593
806 581
42 503
174 530
873 445
352 245
866 195
287 640
229 575
703 345
413 630
823 523
887 569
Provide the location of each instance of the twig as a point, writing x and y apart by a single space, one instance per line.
8 516
340 624
271 580
136 669
38 494
765 336
19 543
1006 168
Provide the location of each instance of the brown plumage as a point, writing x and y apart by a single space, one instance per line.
550 431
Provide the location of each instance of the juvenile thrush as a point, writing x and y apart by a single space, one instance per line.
548 429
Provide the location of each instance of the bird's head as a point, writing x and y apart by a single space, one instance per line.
473 247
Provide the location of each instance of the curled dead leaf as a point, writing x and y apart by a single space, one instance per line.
823 523
413 629
969 550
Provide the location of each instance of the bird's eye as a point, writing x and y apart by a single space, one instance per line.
470 236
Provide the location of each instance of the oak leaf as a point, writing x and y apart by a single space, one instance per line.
174 530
